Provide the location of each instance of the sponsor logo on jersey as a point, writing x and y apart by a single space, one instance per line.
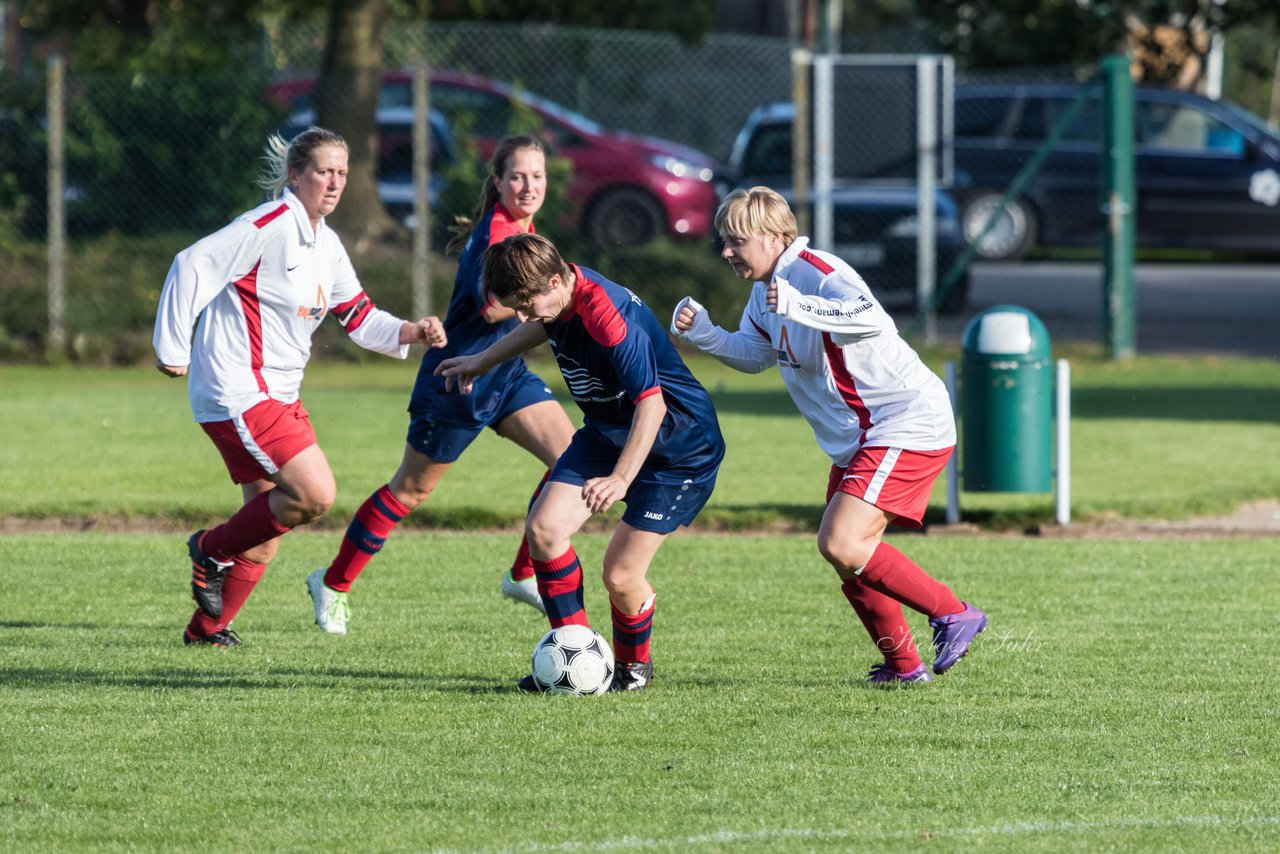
786 357
317 311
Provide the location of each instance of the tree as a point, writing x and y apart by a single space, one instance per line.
688 19
347 102
1167 38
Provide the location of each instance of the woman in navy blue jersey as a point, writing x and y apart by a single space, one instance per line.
650 437
512 400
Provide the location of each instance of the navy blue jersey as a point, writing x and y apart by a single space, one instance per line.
613 352
469 332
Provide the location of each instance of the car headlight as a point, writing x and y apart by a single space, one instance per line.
681 168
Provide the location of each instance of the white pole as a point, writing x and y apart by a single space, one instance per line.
1213 69
1062 389
926 186
953 467
823 156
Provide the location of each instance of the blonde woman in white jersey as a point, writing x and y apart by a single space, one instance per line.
876 409
255 292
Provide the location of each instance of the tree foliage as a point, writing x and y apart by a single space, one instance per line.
1168 39
688 19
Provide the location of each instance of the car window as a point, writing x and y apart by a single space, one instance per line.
1039 116
769 151
1183 128
395 155
484 114
980 116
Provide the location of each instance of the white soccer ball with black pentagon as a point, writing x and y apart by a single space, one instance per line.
573 660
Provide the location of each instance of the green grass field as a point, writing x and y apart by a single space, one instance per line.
1122 699
1155 438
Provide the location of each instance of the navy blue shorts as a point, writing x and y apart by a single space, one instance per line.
659 499
443 439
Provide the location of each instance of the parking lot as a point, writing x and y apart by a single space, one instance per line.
1201 309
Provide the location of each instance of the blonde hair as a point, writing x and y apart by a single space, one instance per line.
281 156
521 267
760 210
490 194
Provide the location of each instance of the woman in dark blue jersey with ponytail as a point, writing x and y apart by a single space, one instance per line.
512 400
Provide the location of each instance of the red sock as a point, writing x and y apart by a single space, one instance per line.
523 566
252 525
631 634
894 574
560 584
885 623
366 534
243 576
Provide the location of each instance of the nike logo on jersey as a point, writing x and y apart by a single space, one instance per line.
291 269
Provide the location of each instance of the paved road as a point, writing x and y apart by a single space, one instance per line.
1182 308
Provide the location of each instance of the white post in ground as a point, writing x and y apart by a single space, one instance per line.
1062 396
953 466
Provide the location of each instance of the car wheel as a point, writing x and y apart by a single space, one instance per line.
1014 231
625 217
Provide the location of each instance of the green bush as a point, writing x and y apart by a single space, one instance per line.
113 285
146 156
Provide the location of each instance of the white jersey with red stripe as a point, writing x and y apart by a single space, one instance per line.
853 377
255 292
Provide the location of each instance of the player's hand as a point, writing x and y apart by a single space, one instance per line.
171 370
601 492
460 372
684 319
686 316
428 331
771 296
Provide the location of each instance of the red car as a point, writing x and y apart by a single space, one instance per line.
630 189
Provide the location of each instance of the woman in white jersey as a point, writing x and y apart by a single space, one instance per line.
876 409
255 292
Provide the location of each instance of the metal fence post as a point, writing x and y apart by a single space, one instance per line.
421 195
1118 187
57 220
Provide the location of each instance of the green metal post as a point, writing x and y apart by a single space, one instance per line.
1119 205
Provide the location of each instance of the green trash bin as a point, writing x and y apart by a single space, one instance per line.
1006 402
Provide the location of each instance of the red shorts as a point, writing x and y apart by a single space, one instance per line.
262 439
895 480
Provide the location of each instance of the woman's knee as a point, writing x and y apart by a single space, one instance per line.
846 553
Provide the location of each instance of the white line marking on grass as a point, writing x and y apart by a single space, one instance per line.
1012 829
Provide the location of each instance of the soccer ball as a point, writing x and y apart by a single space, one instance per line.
573 660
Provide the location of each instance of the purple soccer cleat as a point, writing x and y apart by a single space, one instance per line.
883 674
953 634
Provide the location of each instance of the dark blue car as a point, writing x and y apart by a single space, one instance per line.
875 227
1207 172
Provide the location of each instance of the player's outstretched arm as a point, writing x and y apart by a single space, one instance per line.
428 331
744 351
462 370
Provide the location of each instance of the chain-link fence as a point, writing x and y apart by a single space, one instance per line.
644 126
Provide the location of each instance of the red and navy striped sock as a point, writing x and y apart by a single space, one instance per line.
884 621
894 574
631 633
522 568
251 525
366 534
560 585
